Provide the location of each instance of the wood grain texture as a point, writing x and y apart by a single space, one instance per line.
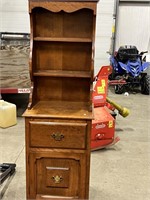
60 109
65 6
58 135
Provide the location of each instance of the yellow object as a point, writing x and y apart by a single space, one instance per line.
113 29
110 125
7 114
101 90
124 112
103 82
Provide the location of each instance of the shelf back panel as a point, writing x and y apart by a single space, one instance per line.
62 24
62 56
63 89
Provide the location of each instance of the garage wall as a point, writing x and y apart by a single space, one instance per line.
133 27
14 16
103 33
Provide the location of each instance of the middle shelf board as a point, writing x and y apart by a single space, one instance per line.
62 39
63 73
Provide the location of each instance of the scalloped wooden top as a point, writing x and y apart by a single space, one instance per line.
63 0
61 5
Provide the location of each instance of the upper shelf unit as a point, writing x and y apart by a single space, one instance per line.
62 51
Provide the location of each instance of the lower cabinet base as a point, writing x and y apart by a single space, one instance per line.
57 159
57 174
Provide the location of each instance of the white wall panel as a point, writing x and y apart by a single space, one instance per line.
134 26
103 33
102 57
15 22
15 5
104 25
14 16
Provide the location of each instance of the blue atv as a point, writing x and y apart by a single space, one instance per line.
130 66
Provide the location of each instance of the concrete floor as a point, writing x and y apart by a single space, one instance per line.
120 172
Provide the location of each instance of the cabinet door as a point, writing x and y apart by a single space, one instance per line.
58 173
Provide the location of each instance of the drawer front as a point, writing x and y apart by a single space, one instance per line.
57 176
57 134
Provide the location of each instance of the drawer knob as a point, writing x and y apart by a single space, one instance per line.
57 179
57 136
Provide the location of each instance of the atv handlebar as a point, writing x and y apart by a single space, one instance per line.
130 54
143 52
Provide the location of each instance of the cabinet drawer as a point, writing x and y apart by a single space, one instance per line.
57 134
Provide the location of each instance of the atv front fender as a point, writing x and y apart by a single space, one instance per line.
123 66
146 66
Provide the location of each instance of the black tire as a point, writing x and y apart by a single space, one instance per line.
119 89
145 85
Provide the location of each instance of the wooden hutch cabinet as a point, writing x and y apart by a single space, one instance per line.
59 114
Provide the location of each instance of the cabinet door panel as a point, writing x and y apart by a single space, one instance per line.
57 176
57 173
